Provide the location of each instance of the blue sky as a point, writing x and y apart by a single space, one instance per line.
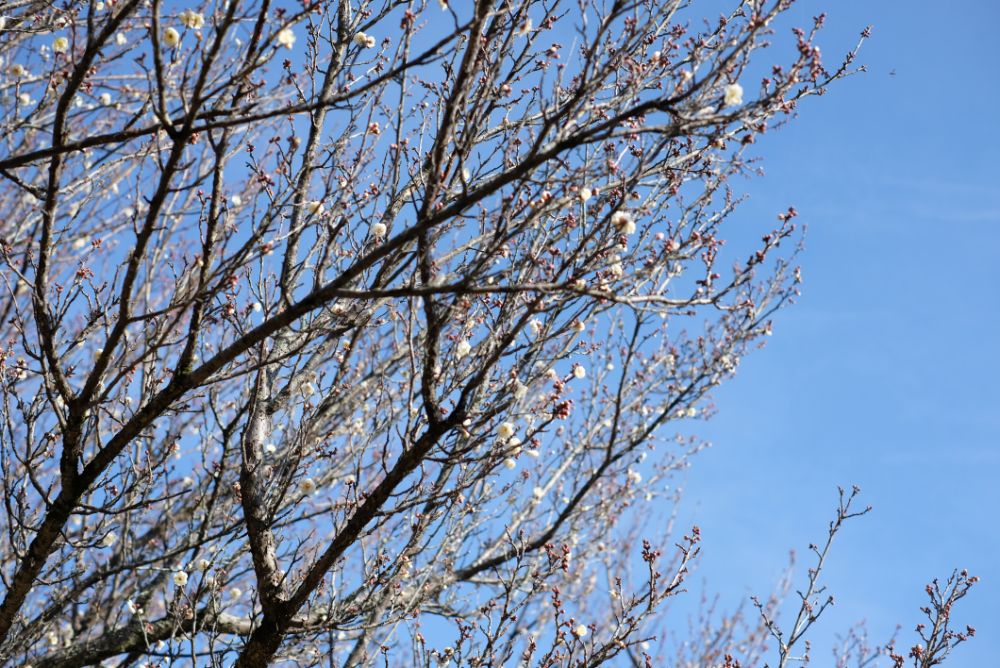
885 372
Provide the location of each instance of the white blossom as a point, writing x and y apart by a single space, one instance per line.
121 39
510 462
316 207
106 99
379 230
733 95
586 193
171 37
462 349
236 200
307 486
580 631
204 564
634 477
505 430
192 19
538 492
235 592
180 578
60 45
579 372
18 71
363 40
286 38
623 222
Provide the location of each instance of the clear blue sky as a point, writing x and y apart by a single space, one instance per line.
885 374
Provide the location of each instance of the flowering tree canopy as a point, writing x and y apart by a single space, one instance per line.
359 333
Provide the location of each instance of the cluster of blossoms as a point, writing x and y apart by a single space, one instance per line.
192 19
623 222
286 38
363 40
733 95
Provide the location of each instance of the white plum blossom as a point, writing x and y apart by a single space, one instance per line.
236 200
634 476
363 40
579 372
60 45
538 492
505 430
171 37
192 19
580 631
121 39
286 38
17 71
180 578
235 593
733 95
510 463
532 452
133 608
580 325
204 564
379 230
616 269
462 349
106 99
307 486
316 207
525 28
623 222
586 193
